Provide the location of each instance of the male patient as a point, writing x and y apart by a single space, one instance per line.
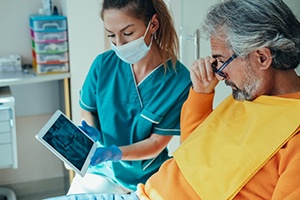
249 146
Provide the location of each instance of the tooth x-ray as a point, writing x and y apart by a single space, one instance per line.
68 142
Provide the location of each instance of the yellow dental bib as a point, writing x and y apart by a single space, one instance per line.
234 142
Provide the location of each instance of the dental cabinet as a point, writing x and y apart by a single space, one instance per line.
8 142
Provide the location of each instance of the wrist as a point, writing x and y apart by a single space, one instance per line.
116 152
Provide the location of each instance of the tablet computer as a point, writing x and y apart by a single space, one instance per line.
68 142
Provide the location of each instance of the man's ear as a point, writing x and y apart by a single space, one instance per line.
264 57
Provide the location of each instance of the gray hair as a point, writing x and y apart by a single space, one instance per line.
252 24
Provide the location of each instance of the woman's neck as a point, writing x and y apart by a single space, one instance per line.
151 61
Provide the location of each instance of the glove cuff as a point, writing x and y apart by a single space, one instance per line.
116 153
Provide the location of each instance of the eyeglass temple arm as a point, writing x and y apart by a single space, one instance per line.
227 62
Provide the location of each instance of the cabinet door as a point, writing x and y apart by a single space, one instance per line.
6 156
5 125
6 133
6 147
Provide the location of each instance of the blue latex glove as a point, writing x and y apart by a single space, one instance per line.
90 131
102 154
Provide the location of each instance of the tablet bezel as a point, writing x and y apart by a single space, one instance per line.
45 129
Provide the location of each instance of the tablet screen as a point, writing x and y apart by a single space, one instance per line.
68 141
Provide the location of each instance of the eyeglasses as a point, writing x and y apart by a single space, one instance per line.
220 70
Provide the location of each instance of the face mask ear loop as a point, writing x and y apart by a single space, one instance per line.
147 29
147 32
151 40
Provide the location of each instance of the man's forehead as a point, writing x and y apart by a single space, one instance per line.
218 46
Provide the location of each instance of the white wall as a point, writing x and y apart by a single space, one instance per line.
34 102
188 17
86 41
295 7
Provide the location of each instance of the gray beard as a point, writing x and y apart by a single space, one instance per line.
251 86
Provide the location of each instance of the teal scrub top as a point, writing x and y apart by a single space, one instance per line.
129 113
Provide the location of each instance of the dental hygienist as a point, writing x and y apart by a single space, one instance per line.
133 96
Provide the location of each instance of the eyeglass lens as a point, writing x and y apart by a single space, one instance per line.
220 70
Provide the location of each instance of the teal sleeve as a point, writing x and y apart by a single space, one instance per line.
88 91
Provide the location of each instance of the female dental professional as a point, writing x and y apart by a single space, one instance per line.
133 95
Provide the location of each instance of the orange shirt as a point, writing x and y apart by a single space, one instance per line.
280 171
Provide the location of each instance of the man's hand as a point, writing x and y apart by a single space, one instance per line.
203 78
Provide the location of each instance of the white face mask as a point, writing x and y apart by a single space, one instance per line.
134 51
